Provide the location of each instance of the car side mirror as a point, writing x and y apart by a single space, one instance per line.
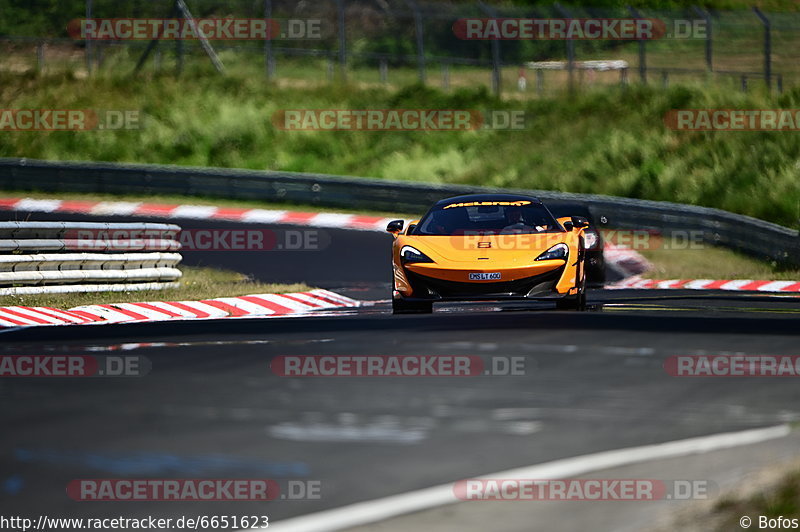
568 226
580 221
395 226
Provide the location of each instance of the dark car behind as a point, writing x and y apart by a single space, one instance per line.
595 263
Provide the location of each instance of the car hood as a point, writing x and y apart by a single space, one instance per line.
507 249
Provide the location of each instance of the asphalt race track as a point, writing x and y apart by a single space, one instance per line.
211 407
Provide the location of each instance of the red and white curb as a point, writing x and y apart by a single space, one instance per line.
199 212
742 285
252 306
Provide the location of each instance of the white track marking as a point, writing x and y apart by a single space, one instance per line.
29 204
331 219
263 216
193 211
116 208
367 512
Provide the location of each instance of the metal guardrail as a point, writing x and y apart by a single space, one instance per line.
749 235
13 246
16 230
85 288
23 272
87 261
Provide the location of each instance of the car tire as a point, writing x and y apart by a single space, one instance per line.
401 306
577 302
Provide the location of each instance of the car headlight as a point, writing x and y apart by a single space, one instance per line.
590 238
412 254
559 251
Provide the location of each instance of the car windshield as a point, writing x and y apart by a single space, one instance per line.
487 217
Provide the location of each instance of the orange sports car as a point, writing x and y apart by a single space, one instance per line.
488 247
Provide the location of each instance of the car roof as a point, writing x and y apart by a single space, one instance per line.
488 197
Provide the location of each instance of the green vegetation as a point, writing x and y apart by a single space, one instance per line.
609 141
779 500
708 262
196 284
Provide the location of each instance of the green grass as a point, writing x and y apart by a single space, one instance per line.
711 262
196 283
780 499
608 140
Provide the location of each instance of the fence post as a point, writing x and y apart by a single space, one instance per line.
204 44
570 52
665 78
331 69
744 83
767 46
446 76
642 51
419 30
496 61
88 41
342 40
268 60
40 56
709 44
153 44
539 81
384 70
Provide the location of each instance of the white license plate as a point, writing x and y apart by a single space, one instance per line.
494 276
